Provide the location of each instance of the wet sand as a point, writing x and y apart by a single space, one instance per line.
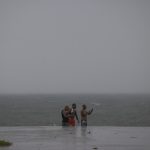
59 138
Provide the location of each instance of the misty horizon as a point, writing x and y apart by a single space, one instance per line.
74 47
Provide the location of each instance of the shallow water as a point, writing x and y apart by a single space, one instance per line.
59 138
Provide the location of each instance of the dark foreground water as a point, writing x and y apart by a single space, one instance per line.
44 110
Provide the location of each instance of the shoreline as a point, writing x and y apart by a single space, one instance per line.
76 138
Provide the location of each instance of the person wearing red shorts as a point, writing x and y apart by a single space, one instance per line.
73 116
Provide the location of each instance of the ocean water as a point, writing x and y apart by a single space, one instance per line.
44 110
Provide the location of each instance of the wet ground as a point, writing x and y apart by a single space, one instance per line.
59 138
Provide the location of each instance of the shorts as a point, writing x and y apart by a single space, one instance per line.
71 122
83 123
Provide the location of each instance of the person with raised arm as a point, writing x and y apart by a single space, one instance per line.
84 113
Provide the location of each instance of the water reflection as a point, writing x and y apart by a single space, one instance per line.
83 131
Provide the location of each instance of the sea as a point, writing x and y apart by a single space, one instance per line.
45 109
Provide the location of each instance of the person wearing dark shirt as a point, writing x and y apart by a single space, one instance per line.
65 113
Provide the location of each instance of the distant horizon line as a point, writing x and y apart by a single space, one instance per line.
92 93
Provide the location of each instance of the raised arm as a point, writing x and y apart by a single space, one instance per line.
90 111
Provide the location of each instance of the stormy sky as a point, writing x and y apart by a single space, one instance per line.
74 46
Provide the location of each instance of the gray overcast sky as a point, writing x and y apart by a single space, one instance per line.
78 46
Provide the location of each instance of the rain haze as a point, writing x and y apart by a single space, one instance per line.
81 46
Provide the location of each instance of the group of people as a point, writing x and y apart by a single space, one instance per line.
70 116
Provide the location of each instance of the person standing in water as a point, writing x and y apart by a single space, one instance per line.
65 113
84 113
73 116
